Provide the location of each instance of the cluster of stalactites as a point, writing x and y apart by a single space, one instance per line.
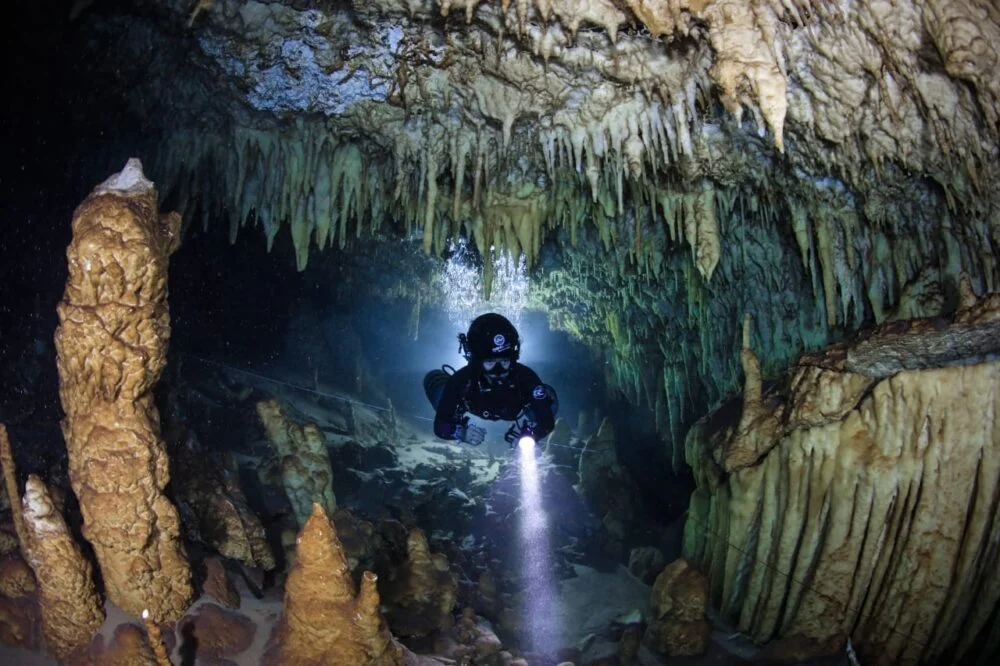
890 259
437 184
859 252
619 108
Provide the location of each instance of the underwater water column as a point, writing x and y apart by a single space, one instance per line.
538 611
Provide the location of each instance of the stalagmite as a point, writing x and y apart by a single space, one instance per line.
111 345
324 620
71 610
155 639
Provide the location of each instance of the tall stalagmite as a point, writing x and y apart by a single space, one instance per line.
861 503
111 345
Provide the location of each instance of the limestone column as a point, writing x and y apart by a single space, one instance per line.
111 344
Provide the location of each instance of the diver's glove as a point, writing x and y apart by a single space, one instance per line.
518 430
470 433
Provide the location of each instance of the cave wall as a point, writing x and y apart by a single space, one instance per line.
841 504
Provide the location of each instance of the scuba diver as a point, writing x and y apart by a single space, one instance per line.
493 386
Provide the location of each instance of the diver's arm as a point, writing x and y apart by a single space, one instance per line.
447 420
540 403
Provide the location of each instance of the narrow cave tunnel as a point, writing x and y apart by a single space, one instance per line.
742 406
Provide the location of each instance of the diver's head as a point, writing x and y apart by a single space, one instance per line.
493 344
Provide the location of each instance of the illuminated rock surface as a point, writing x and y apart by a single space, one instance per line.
841 504
680 600
111 343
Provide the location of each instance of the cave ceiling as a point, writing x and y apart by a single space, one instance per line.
818 165
486 104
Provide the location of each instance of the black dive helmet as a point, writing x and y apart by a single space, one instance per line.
490 336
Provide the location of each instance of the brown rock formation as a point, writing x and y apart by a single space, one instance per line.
324 620
421 594
10 487
16 578
358 538
218 633
680 598
217 584
71 610
853 505
127 647
216 511
469 641
111 345
19 625
8 540
154 638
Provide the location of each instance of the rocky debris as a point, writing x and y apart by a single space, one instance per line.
20 622
216 632
216 583
420 592
214 510
126 647
470 640
645 563
678 625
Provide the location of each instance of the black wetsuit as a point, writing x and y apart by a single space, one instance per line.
503 400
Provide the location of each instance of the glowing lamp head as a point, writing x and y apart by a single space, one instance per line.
526 443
